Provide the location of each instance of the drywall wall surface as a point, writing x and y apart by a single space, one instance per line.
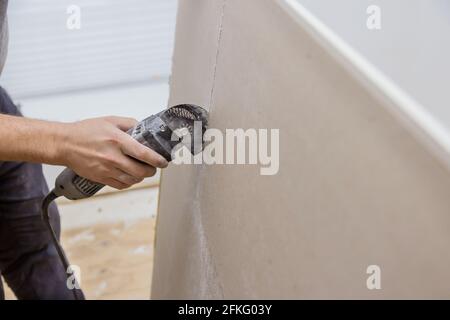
355 188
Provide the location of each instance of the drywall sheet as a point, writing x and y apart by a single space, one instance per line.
355 186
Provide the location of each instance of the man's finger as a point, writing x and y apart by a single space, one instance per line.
124 177
140 152
136 169
116 184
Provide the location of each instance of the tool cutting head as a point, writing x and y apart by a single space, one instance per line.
165 130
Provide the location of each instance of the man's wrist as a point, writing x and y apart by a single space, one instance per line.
58 149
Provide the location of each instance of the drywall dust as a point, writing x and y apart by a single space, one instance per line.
209 286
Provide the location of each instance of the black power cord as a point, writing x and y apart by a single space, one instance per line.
46 217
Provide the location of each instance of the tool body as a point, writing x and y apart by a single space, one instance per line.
161 132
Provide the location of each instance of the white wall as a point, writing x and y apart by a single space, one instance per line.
412 48
119 42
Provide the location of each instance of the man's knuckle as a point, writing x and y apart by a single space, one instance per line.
114 140
115 137
110 118
109 160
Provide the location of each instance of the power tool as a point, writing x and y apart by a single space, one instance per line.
161 132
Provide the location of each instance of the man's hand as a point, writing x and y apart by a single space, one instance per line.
98 149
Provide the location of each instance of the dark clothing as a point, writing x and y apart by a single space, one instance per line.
3 33
28 260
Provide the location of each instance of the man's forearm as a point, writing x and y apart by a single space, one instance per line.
30 140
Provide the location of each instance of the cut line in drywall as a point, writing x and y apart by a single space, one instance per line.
422 124
219 38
